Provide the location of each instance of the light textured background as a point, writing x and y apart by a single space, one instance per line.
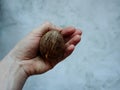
94 65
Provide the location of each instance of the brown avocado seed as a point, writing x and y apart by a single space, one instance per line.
52 46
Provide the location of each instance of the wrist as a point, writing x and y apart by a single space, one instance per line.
12 75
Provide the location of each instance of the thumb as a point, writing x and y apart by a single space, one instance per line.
45 28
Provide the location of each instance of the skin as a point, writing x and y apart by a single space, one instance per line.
23 60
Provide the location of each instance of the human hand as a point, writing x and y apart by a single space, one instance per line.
24 60
26 51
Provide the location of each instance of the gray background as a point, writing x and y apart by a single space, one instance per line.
94 65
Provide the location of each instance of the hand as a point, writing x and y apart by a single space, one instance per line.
26 51
24 60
